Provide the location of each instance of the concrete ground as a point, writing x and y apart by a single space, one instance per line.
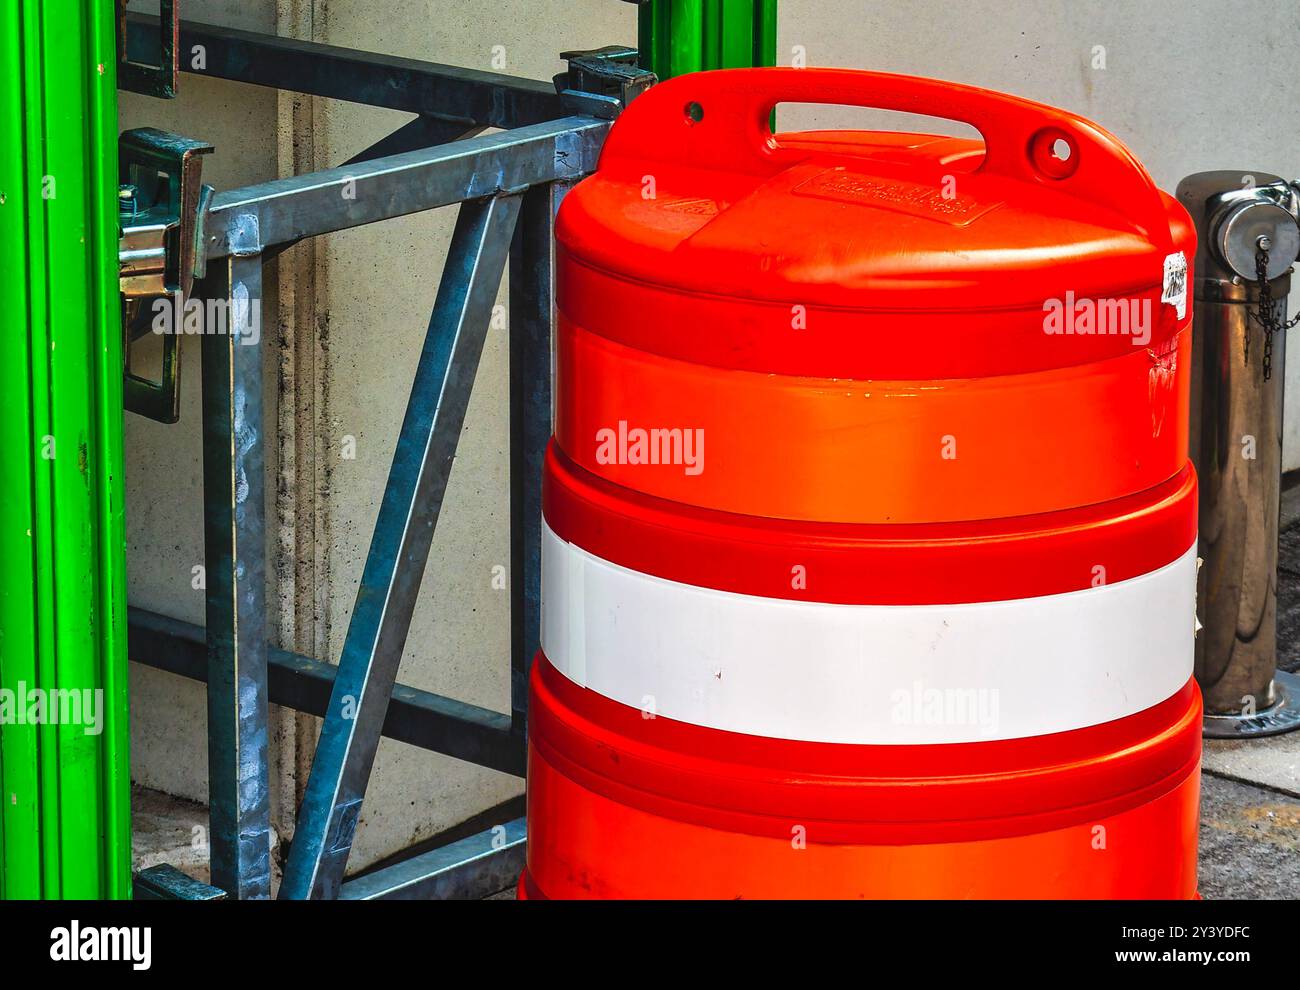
1250 841
172 830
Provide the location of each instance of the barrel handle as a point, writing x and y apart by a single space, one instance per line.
719 120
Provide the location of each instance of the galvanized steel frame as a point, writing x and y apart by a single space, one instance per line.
509 185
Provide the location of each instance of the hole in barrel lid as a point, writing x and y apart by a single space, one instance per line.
1054 153
694 112
872 132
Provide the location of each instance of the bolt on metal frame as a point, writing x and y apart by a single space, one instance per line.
509 185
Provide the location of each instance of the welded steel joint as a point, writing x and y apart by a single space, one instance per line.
602 81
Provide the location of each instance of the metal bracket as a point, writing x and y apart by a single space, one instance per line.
601 82
152 80
161 206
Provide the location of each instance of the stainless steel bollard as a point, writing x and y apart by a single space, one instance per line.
1236 445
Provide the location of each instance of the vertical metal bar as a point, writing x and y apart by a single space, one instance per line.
679 36
25 500
650 29
532 325
765 32
711 33
399 548
734 44
1235 441
686 37
234 540
1236 650
64 777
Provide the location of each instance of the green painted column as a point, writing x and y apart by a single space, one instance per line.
65 828
679 36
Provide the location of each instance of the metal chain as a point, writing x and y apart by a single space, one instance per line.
1266 312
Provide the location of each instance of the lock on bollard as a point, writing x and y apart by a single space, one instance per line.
1248 238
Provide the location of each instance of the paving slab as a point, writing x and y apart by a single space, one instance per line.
1288 599
1249 843
1272 762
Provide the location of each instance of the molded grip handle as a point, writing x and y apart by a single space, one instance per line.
733 107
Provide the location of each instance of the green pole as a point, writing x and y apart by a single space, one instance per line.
65 828
679 36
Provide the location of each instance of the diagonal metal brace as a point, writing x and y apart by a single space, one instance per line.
399 548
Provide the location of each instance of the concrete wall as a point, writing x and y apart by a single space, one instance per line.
1179 85
1185 82
164 464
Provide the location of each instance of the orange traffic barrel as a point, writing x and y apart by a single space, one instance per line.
869 549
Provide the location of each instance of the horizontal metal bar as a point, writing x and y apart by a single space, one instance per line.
166 883
473 868
418 718
448 91
247 220
422 132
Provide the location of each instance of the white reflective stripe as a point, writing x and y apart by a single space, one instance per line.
868 673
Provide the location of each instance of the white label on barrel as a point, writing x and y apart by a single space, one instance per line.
1175 286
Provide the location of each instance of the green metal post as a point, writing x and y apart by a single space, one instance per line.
679 36
64 773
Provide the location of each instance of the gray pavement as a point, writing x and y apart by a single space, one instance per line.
1250 842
